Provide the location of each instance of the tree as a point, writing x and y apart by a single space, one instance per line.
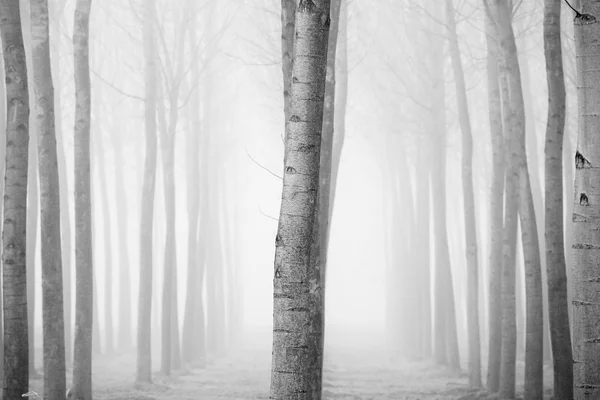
16 345
84 290
144 357
52 276
560 334
586 241
496 210
469 202
297 283
519 177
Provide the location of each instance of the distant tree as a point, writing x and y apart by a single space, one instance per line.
52 276
144 357
297 283
82 366
16 353
560 334
288 20
469 201
586 241
496 210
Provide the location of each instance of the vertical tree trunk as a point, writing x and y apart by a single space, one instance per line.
125 300
556 269
144 358
288 20
586 241
445 338
3 119
56 12
297 283
52 288
469 203
531 256
33 211
84 291
496 211
16 354
108 248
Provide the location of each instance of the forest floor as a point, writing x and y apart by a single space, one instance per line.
350 373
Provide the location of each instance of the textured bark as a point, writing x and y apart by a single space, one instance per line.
586 210
560 335
52 284
469 203
2 186
288 21
297 283
496 211
84 289
445 338
16 354
144 357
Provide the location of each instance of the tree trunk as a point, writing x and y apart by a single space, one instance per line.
16 354
297 283
531 256
445 338
496 211
56 12
144 358
52 288
556 269
288 16
586 241
108 248
84 290
469 203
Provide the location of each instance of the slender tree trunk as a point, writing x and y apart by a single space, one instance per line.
3 135
469 203
56 12
52 288
108 248
288 21
144 358
125 300
586 241
82 366
16 353
496 211
297 283
531 256
33 212
556 269
445 337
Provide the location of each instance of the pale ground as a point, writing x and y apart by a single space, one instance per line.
356 368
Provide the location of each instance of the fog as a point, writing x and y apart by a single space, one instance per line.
220 125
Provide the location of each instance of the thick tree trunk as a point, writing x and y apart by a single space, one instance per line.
82 366
496 211
297 283
556 269
586 241
469 203
144 357
16 354
52 288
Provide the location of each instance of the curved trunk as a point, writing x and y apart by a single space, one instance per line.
469 203
297 281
